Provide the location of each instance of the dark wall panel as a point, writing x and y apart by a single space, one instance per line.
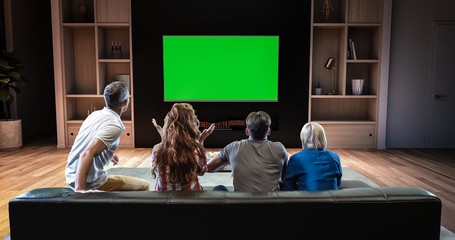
288 19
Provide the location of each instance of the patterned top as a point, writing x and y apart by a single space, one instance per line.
163 185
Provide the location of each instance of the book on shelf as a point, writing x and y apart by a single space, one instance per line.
353 54
227 125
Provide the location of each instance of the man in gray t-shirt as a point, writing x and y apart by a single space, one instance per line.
256 162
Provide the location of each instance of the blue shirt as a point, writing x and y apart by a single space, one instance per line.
312 170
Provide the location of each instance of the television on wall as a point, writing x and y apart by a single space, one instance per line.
220 68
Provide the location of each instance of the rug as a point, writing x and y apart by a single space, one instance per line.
220 178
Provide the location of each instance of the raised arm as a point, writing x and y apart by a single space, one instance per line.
215 164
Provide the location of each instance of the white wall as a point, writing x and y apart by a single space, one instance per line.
409 72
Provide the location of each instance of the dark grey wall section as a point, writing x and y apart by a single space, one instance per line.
32 34
410 66
288 19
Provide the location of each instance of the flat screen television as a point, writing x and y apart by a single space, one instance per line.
220 68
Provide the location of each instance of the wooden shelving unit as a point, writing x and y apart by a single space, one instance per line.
350 121
92 44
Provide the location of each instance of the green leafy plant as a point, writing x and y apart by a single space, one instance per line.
10 79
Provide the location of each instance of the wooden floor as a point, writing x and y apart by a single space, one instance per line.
41 164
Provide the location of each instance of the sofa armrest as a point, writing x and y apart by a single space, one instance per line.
46 193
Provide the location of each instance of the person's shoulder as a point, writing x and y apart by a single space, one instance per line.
276 144
238 142
93 117
299 158
234 145
333 155
112 119
104 116
306 155
110 115
298 155
277 148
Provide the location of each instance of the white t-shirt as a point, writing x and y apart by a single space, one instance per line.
105 125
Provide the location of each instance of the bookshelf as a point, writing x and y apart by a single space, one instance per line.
92 45
350 121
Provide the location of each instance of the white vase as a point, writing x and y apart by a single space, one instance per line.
357 86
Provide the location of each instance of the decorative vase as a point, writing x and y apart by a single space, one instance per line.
357 86
10 134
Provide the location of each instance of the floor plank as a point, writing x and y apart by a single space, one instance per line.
41 164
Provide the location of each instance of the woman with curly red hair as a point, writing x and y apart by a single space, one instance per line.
181 156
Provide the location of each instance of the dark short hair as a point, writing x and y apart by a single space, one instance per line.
115 93
258 124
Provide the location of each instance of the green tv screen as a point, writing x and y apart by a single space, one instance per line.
220 68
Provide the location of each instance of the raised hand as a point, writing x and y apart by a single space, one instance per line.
158 127
206 132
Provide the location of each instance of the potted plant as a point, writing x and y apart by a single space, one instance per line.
10 80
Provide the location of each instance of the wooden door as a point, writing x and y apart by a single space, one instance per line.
442 115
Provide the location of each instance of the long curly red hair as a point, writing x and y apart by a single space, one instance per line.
179 143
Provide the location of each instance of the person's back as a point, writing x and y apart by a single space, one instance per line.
256 162
95 145
180 157
314 168
105 125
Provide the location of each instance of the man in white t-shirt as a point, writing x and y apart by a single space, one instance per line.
95 144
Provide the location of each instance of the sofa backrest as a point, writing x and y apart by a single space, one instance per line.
355 213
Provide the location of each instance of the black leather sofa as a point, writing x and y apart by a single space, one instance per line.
354 212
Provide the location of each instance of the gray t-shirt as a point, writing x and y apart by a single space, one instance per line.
256 164
105 125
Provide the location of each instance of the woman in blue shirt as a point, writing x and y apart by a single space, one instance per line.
314 168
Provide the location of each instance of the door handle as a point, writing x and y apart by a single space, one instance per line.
437 96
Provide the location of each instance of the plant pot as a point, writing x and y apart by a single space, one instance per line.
10 134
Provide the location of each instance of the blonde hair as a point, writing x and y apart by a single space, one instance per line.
313 136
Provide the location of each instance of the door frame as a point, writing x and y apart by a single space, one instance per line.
431 87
